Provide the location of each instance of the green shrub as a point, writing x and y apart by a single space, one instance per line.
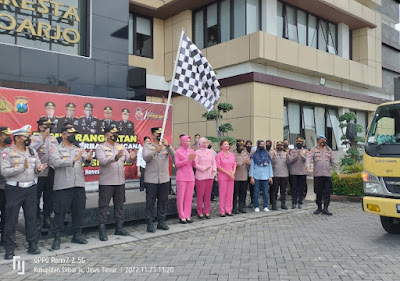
351 169
348 184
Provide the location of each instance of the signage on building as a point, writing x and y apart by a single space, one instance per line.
89 116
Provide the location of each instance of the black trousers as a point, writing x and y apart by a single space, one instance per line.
17 197
73 199
239 192
45 187
215 189
251 188
323 189
117 193
279 183
3 212
298 184
160 192
142 185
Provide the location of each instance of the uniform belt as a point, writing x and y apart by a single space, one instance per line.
21 184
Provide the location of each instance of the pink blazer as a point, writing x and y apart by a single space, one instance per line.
204 159
185 167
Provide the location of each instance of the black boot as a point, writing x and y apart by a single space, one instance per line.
283 205
56 242
120 229
293 206
161 225
33 248
241 208
150 227
78 239
326 212
274 207
318 211
235 211
9 255
102 232
300 205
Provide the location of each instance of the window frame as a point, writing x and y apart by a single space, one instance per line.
134 41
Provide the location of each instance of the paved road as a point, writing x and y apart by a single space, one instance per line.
283 245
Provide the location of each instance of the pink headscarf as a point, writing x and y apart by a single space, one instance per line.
201 141
183 140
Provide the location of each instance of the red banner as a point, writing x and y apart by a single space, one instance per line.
89 116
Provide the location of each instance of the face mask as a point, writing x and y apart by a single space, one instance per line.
225 147
323 143
279 148
285 145
239 150
268 147
7 140
114 138
71 138
27 142
261 147
158 137
209 147
248 148
299 145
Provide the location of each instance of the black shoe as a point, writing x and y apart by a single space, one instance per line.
251 206
56 242
318 211
300 206
293 206
326 212
189 221
207 216
200 217
33 248
9 255
102 232
274 207
222 215
120 230
162 225
150 228
182 221
78 239
229 214
243 211
235 211
283 206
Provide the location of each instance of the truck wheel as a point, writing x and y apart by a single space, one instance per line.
391 225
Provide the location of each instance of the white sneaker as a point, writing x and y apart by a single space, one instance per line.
266 209
256 210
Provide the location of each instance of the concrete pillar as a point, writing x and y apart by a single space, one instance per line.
343 41
269 20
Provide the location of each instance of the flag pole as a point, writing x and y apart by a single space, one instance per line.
172 84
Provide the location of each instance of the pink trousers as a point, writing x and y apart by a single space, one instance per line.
203 194
184 197
225 196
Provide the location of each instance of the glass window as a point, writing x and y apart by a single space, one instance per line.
285 123
337 132
239 18
291 21
302 27
143 41
212 25
253 16
309 126
320 120
332 38
322 35
362 120
312 31
294 121
198 29
225 14
280 19
130 36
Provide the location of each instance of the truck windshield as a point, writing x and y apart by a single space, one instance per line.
385 127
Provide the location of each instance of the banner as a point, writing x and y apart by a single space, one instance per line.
89 116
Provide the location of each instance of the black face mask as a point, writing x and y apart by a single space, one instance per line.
7 140
285 145
299 145
71 138
261 147
323 143
279 148
239 150
114 138
158 137
268 147
248 148
27 142
209 147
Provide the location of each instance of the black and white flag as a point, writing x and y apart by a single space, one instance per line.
194 76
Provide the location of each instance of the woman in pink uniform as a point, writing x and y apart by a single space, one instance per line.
226 166
184 161
205 171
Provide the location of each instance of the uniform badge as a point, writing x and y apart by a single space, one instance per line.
3 155
5 105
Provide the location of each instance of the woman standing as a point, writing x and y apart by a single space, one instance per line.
184 162
206 168
261 174
226 166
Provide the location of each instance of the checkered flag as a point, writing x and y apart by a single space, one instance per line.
194 76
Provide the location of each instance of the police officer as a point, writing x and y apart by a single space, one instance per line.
241 177
69 117
298 173
322 157
5 141
112 156
50 110
69 185
20 165
88 123
125 126
42 143
107 122
156 178
280 161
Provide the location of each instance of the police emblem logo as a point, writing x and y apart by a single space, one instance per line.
3 155
21 105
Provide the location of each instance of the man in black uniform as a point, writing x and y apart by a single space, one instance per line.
88 123
50 110
69 117
107 122
125 126
5 141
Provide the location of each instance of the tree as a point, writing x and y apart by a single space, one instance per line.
224 128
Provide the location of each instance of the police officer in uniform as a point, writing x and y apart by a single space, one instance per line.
298 173
323 158
107 122
69 186
156 178
88 123
125 126
280 160
50 110
20 165
5 141
69 118
42 143
112 156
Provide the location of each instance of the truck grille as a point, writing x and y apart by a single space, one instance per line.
392 184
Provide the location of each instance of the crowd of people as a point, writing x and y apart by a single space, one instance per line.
41 165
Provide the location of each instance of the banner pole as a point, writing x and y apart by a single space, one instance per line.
172 84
